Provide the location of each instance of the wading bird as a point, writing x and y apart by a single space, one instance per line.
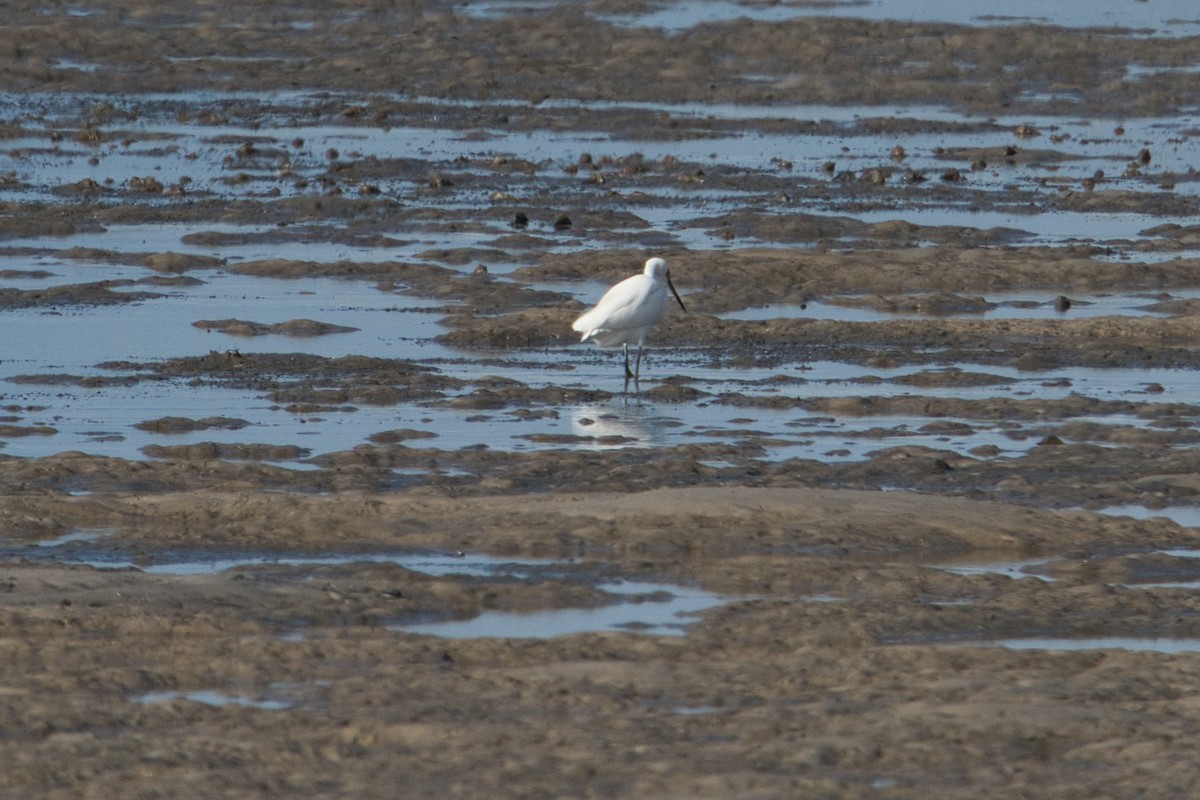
627 312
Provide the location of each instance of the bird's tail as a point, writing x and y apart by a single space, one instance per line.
583 325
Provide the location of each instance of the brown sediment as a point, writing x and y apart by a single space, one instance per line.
841 660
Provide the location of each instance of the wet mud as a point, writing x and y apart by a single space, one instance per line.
923 447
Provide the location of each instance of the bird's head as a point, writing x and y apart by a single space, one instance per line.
657 268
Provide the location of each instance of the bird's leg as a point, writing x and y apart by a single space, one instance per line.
628 374
637 369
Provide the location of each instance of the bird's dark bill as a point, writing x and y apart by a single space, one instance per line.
677 297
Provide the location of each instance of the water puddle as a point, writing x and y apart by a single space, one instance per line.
212 698
651 608
102 419
695 711
638 606
1015 568
1144 645
1050 228
77 537
1166 18
385 325
1184 516
1185 585
209 563
245 243
1181 553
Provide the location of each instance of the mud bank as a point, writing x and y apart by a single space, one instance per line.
842 656
430 49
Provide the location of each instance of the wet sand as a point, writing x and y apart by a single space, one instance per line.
900 614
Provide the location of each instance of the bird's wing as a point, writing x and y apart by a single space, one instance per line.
629 304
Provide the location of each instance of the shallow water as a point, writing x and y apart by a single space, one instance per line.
1147 645
639 606
1167 18
1185 516
1015 305
1016 568
1161 18
212 698
200 154
642 607
101 420
72 340
76 551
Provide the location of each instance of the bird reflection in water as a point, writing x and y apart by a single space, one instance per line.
623 426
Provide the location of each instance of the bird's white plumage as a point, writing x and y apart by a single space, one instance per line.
628 311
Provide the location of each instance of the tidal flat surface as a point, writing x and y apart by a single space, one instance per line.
903 506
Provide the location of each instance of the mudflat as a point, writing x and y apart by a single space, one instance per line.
938 597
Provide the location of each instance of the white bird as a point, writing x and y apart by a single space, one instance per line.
627 312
